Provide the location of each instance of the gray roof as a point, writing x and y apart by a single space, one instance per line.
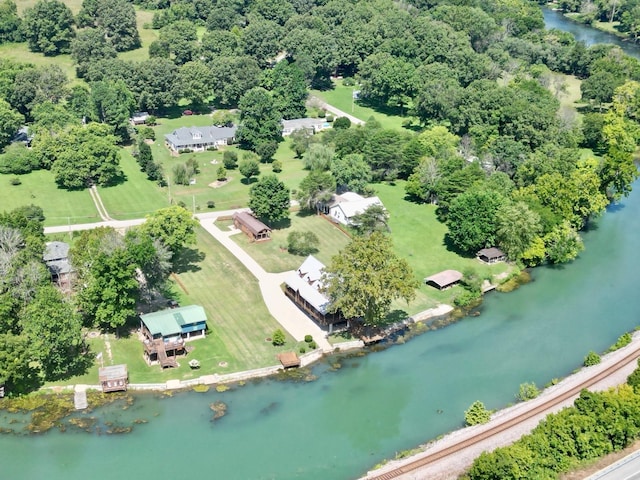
491 253
55 251
444 278
185 137
305 123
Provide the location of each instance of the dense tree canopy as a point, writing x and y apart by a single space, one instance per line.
269 199
48 27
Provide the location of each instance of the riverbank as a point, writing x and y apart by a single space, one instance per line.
454 465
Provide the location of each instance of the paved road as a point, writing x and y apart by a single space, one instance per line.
337 112
627 468
281 308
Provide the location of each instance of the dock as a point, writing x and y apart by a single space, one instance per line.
80 397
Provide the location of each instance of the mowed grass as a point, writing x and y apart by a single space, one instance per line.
419 238
234 193
273 256
134 198
39 188
341 97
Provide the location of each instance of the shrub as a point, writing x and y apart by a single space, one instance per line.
186 150
466 299
623 341
329 118
145 133
211 204
313 345
18 159
15 181
211 148
477 414
180 175
276 166
591 359
634 379
527 391
192 164
308 338
349 82
303 350
341 123
302 243
230 160
278 338
152 120
221 174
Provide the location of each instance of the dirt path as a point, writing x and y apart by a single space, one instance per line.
97 201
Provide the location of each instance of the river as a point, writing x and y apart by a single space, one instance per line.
373 406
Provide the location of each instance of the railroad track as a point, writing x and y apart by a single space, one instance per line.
511 422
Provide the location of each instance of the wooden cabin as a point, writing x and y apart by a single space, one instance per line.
303 287
114 378
251 226
444 279
167 331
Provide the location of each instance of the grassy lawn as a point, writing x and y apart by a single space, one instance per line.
418 237
341 97
134 198
234 193
238 322
273 256
39 188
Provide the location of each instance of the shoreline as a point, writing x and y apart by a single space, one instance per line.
451 468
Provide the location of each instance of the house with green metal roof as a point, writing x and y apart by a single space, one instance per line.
166 331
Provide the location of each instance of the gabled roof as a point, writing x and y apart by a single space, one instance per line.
112 372
55 251
444 278
254 225
171 321
306 123
351 208
307 282
491 253
184 136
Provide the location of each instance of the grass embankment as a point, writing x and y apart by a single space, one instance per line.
419 238
341 97
273 255
39 188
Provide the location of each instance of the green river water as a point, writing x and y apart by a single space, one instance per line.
374 406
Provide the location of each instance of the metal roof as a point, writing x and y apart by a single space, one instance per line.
171 321
251 222
444 278
307 282
185 137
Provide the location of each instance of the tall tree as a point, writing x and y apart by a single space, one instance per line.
374 219
10 122
317 187
517 228
10 22
48 27
352 173
289 89
269 199
364 278
259 119
115 18
173 226
90 45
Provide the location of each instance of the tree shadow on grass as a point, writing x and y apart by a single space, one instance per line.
281 224
248 181
187 260
396 316
451 247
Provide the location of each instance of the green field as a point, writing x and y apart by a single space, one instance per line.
341 97
39 188
418 237
134 198
273 255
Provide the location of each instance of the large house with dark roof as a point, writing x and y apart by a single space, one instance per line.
304 286
198 139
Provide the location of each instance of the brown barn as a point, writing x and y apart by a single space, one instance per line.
251 226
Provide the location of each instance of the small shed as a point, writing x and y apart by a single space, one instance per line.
251 226
444 279
113 378
289 359
491 255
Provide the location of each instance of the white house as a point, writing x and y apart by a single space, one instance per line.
198 139
311 125
139 118
349 204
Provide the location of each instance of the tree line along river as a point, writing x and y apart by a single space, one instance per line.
373 406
